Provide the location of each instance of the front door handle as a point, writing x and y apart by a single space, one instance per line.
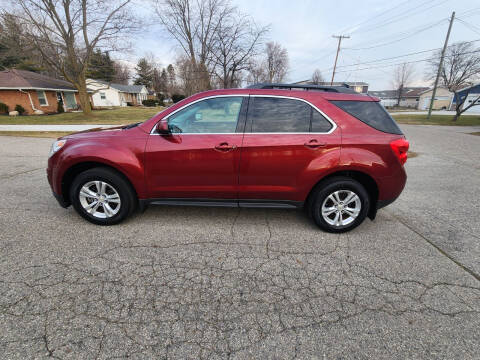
224 146
314 144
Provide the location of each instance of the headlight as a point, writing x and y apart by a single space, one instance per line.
57 145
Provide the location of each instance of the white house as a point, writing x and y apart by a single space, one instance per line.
472 93
112 94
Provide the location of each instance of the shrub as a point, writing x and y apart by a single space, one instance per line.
149 102
3 108
177 97
160 98
20 109
60 108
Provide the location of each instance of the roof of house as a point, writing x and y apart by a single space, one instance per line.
408 92
473 89
462 93
135 89
132 89
22 79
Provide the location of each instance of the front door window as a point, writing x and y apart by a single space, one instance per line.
210 116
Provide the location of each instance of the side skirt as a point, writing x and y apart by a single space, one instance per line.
243 203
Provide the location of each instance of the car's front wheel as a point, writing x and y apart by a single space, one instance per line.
339 204
102 196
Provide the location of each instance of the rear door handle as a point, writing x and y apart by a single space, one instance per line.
224 146
314 144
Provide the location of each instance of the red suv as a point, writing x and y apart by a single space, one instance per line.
335 152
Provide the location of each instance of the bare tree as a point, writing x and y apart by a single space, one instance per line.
402 76
276 62
122 73
317 77
461 67
66 33
172 84
236 44
194 25
256 72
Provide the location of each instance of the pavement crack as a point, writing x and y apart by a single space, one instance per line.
438 248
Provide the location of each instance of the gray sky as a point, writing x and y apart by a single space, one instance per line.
379 29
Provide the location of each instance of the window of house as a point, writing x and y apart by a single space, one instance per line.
42 99
103 96
216 115
277 115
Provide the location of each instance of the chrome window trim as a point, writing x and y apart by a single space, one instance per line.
152 132
334 125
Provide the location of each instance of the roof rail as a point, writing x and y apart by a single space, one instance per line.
338 89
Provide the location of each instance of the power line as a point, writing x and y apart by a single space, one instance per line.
401 16
470 26
409 62
413 32
364 22
395 57
345 30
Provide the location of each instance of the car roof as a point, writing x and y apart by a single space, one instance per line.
302 94
310 96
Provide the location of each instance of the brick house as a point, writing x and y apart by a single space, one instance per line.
36 92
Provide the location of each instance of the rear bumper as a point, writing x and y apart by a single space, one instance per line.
383 203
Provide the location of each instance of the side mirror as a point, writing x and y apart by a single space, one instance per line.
162 127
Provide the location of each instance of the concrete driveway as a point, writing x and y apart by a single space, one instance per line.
192 283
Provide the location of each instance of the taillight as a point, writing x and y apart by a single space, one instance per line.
400 148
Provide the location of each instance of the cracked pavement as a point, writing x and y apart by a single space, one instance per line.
195 283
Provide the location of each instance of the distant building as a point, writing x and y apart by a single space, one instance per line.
472 93
36 93
443 99
410 97
112 94
358 86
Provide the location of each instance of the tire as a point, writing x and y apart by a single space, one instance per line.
108 204
326 210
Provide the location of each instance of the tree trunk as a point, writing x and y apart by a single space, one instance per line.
84 99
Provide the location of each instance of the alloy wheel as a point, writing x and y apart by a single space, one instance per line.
99 199
341 208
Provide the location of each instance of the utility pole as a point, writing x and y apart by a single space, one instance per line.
339 37
440 66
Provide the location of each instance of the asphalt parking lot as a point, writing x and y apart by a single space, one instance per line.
190 283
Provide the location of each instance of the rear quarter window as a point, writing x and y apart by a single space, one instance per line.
371 113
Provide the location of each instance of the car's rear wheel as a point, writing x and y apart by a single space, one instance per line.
102 196
339 204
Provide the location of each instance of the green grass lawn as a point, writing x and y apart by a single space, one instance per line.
124 115
467 120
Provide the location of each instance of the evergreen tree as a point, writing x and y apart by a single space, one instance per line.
101 67
145 73
160 81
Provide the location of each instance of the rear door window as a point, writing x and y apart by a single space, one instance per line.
279 115
370 113
319 123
